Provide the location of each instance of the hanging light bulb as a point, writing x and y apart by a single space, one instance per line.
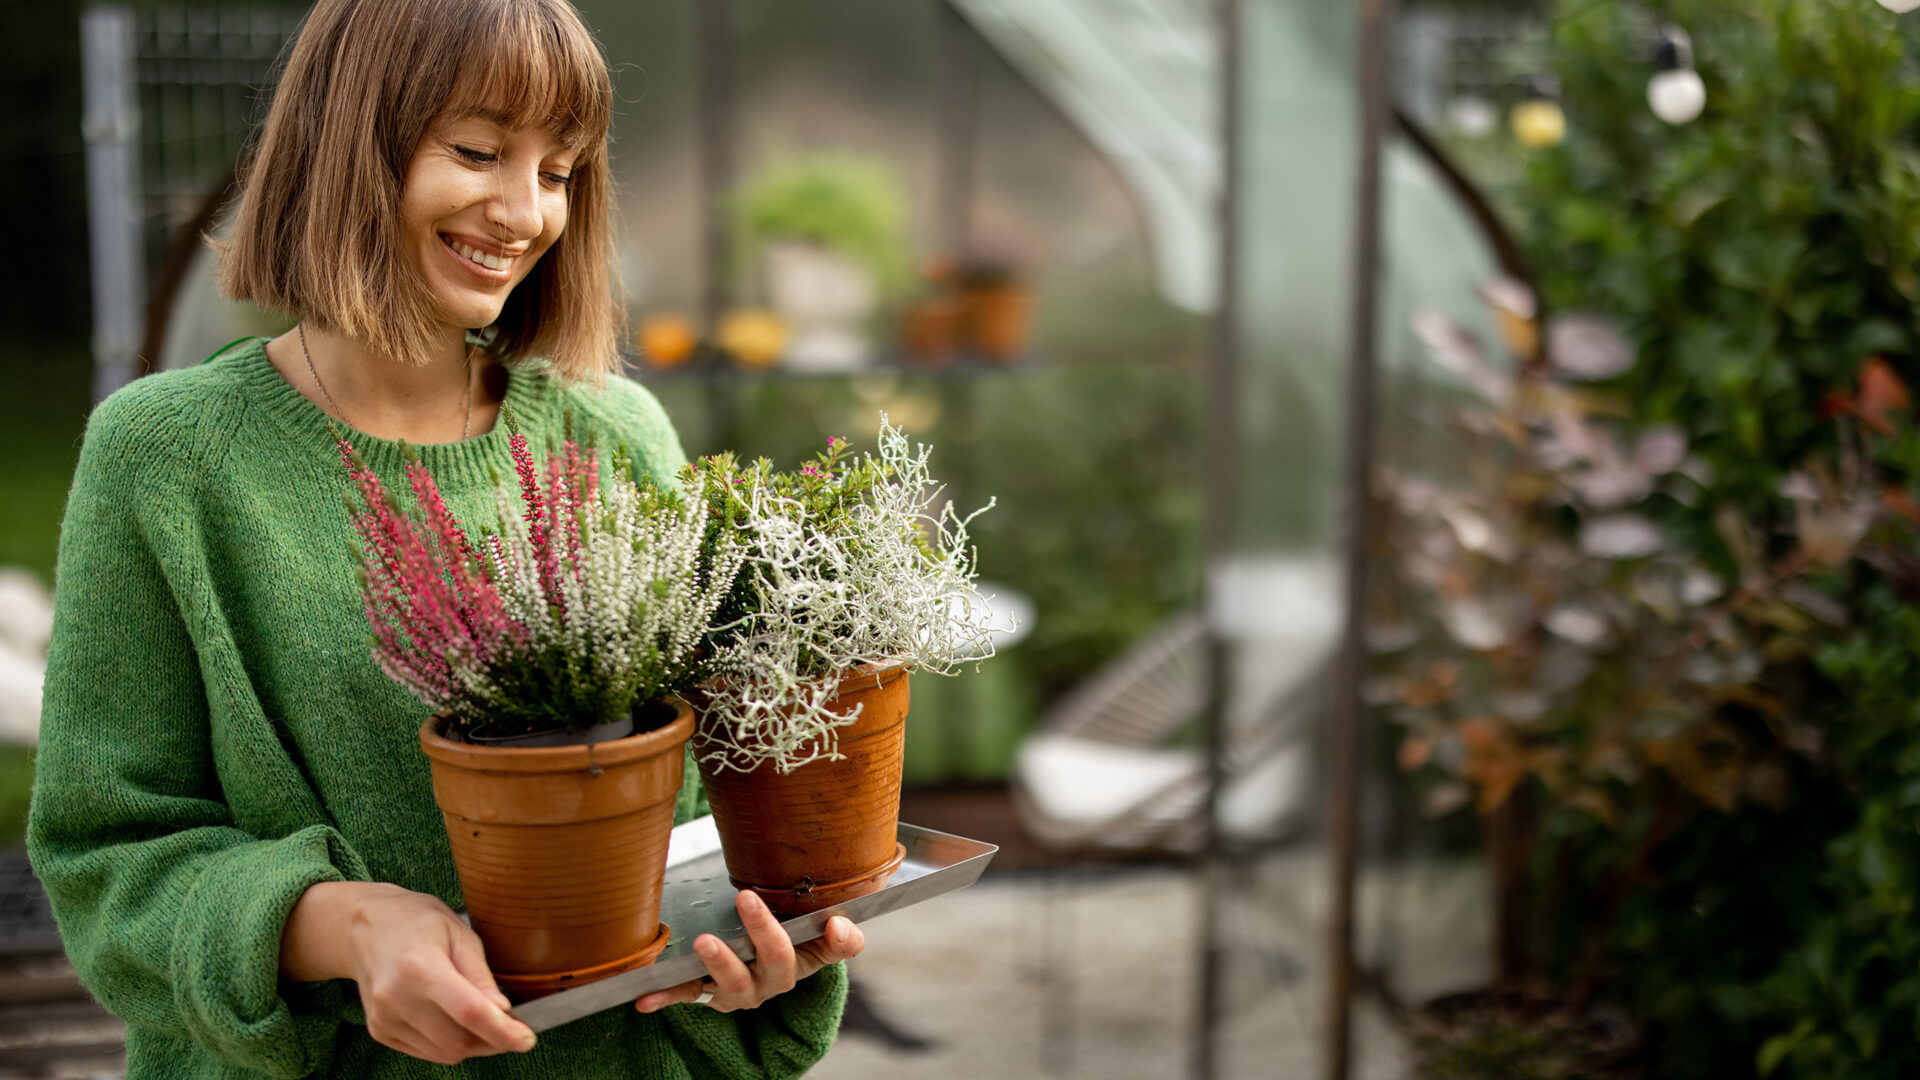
1474 116
1900 7
1538 122
1675 92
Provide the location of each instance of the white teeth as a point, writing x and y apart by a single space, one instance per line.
479 258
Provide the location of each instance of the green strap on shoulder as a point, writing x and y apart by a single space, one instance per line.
224 349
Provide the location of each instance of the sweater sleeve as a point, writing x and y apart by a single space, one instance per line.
783 1038
171 914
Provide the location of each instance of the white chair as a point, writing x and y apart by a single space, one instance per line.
1117 766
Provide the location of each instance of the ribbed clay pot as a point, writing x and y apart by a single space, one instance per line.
827 831
561 850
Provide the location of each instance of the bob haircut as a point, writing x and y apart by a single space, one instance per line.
363 83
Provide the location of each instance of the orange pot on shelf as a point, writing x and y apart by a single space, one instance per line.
929 329
561 850
667 341
998 319
755 339
828 831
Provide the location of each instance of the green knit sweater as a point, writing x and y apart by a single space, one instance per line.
216 737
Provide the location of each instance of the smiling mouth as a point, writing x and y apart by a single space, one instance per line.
477 257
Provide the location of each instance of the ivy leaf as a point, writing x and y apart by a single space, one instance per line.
1776 1049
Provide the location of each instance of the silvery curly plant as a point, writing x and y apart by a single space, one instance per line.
851 564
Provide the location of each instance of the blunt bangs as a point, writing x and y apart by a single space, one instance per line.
362 85
522 67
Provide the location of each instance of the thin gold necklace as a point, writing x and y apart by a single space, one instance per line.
466 425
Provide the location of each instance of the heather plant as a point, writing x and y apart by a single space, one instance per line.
585 599
848 565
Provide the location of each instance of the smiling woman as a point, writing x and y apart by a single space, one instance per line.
374 101
232 815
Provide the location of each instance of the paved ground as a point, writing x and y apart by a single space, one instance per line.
1091 973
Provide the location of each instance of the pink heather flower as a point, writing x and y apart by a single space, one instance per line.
529 488
475 600
430 606
433 598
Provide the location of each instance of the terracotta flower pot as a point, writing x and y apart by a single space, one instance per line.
825 832
561 850
929 329
998 319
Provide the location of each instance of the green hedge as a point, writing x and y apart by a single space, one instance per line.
1758 258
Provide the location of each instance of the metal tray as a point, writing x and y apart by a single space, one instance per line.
698 899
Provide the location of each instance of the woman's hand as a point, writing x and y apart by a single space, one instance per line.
777 965
423 974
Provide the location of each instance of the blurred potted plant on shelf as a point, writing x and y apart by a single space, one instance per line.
753 338
996 310
979 306
551 652
1552 648
930 323
852 580
666 341
829 232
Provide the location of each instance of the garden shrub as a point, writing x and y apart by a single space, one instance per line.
1761 260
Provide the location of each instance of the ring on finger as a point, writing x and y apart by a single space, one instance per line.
706 995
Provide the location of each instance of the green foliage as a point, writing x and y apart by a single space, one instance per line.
43 411
1099 487
1759 259
1758 255
853 205
16 790
1093 468
1846 998
828 491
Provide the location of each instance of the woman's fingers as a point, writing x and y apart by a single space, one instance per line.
732 979
773 965
482 1008
839 940
476 1020
685 993
777 965
422 973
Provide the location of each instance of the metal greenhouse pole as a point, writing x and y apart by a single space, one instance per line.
1221 490
111 123
1349 713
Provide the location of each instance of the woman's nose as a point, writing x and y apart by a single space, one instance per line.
515 207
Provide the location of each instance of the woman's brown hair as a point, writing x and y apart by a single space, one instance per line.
363 83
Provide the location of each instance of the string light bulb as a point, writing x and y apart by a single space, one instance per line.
1539 122
1474 116
1675 93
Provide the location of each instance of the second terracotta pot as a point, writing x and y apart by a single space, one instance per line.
561 850
825 832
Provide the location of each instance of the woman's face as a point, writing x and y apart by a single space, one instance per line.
482 202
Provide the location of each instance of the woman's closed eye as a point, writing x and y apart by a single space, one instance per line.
488 158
